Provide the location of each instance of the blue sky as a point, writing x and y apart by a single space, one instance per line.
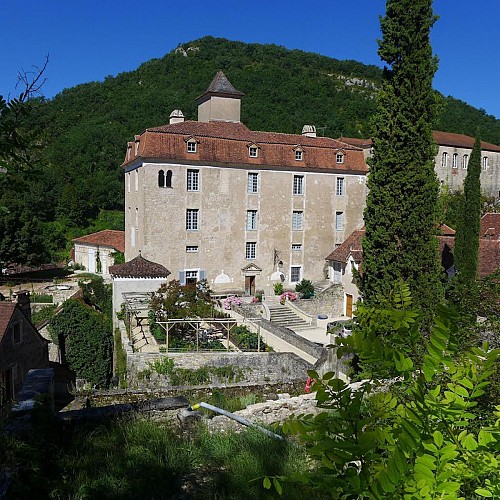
87 40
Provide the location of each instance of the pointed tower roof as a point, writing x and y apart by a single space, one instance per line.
220 86
139 267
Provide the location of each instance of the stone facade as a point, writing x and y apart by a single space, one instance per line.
212 199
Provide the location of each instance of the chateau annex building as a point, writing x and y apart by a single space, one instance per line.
211 199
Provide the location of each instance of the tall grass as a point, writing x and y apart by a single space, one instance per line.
145 459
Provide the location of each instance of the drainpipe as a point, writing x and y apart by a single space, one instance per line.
237 418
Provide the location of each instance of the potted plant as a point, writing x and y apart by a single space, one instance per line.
305 288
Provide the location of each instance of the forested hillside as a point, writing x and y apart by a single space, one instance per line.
86 128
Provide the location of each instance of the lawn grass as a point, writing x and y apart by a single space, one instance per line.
139 458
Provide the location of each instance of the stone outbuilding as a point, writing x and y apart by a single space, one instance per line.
95 251
22 348
134 281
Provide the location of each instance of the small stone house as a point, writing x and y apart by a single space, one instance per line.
94 251
22 348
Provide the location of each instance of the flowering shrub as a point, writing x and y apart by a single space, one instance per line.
257 299
230 301
287 296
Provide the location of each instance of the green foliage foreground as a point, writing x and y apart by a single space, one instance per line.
414 426
141 459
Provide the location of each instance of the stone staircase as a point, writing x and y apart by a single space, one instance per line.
321 286
284 316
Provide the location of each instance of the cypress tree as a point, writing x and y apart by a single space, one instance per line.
401 211
467 233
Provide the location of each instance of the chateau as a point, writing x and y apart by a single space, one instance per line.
212 199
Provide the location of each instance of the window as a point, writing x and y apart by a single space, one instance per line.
340 158
444 159
250 250
193 180
161 179
485 163
298 155
168 179
191 146
191 277
296 247
253 151
136 217
298 184
297 220
253 182
339 221
192 248
295 272
137 180
251 220
455 161
128 182
192 219
340 186
465 161
136 147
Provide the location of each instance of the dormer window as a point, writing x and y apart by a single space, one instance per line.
340 157
192 146
253 151
136 147
298 155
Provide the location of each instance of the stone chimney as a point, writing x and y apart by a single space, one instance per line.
220 102
309 130
22 298
176 116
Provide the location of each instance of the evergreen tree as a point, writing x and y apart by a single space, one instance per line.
467 235
400 215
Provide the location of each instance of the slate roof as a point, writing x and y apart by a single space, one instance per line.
139 267
220 85
490 226
107 237
226 144
6 312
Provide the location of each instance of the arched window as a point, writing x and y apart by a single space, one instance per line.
455 160
444 160
465 161
161 179
168 179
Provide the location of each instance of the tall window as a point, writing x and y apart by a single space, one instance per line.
161 178
137 180
297 220
193 180
339 221
298 184
455 161
295 272
340 186
128 182
250 250
253 182
485 163
340 158
444 159
465 161
192 223
168 179
251 219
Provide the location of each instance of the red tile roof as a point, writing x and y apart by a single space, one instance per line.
226 143
6 311
107 238
350 245
139 267
441 138
490 226
445 230
489 251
